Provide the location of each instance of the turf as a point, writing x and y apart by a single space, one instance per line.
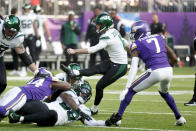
146 112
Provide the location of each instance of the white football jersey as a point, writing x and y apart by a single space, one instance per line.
63 114
114 44
6 44
40 19
26 21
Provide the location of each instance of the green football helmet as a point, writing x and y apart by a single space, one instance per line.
37 9
85 92
26 6
105 22
75 66
11 26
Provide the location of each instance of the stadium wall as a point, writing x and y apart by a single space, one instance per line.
180 24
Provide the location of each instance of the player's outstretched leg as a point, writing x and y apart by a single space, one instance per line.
115 119
171 103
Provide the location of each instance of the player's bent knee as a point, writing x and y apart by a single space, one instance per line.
53 117
164 91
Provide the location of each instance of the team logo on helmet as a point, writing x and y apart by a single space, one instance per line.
139 29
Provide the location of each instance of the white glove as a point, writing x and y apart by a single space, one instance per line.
123 93
38 43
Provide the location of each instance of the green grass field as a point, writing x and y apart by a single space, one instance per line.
147 111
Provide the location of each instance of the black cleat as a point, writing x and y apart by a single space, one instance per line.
94 112
190 103
115 119
68 71
13 117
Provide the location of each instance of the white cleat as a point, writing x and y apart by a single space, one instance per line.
180 121
22 73
14 72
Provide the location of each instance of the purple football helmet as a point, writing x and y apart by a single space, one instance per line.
44 73
139 29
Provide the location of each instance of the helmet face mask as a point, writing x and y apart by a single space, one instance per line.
85 92
11 27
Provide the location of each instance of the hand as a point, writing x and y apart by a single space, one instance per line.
83 115
71 51
63 46
73 27
38 43
123 93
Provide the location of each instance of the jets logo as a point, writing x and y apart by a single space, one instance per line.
105 17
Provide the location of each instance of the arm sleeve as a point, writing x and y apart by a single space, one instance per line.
132 71
94 122
102 44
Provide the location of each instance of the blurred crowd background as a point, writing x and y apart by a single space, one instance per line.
176 17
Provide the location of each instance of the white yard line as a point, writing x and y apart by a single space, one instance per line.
121 128
158 101
92 77
131 112
151 92
126 128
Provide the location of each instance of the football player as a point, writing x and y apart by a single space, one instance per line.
29 28
192 102
66 109
41 86
12 37
153 51
112 69
42 28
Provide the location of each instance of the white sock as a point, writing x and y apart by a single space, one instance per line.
21 119
94 107
23 69
37 64
76 72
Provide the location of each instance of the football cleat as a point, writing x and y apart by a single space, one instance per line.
190 103
13 117
181 121
94 110
115 119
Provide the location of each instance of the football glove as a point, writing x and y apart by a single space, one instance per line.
83 115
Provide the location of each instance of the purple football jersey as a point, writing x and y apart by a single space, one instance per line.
152 51
38 89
